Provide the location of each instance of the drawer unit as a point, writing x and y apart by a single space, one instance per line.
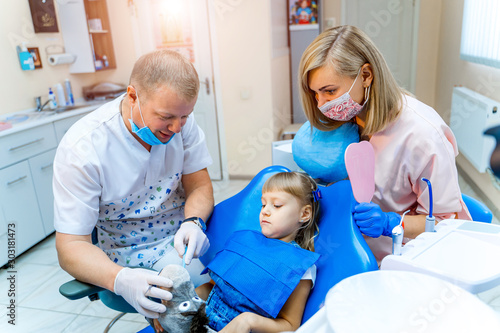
26 169
18 203
22 145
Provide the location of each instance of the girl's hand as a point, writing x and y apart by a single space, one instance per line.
157 326
240 324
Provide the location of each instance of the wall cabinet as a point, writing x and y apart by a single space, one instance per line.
26 198
87 34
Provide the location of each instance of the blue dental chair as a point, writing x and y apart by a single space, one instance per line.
478 210
343 250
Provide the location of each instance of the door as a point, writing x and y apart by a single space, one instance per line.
183 26
392 27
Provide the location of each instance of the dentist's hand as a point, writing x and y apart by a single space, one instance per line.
197 242
135 284
372 221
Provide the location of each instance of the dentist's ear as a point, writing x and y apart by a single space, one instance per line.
305 214
131 94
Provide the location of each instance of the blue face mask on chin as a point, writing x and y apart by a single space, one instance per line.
145 133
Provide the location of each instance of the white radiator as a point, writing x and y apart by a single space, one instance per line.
471 115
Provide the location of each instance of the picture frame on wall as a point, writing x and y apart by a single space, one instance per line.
43 14
35 54
303 12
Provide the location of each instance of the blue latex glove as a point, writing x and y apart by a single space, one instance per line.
373 222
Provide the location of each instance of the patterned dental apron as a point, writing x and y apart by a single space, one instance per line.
139 229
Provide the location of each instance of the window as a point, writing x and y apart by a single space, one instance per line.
481 32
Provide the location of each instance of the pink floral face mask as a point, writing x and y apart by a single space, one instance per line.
343 108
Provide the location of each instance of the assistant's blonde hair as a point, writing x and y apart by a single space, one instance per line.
347 48
165 68
301 186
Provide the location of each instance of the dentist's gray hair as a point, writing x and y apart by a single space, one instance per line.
165 69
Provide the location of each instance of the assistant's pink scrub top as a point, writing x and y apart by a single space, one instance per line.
417 144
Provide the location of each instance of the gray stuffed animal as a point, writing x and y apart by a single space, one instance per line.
185 311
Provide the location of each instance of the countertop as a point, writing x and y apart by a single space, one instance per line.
43 117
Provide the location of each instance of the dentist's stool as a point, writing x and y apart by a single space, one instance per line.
399 301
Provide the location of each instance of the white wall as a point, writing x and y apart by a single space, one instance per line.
253 84
451 71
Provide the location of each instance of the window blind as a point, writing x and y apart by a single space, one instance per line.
481 32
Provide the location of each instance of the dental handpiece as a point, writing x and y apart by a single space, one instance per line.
430 221
397 236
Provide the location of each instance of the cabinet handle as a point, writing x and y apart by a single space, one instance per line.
26 144
17 180
46 166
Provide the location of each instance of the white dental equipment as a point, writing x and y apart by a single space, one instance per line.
462 252
430 221
396 301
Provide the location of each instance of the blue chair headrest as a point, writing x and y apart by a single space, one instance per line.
321 154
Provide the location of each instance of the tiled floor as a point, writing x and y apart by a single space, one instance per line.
40 307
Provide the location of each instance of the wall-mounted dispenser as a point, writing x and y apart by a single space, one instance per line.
25 58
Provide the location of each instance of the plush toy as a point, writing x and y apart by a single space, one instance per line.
185 311
321 153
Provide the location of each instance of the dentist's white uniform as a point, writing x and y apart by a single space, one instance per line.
104 177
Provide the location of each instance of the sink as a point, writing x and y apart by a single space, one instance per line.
35 115
22 117
66 108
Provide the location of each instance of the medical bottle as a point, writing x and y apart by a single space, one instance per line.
52 100
61 99
69 92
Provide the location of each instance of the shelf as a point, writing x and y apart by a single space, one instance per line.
98 31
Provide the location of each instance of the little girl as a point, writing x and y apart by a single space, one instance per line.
261 280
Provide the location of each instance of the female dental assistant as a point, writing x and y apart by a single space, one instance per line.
343 77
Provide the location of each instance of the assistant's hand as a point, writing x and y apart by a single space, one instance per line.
197 242
134 284
372 221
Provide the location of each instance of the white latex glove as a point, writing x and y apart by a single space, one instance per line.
134 284
197 242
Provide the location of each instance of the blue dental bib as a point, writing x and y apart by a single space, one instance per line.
266 271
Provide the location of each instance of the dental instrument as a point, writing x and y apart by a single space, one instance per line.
430 221
397 236
183 257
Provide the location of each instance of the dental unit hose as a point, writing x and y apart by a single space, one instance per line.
397 236
430 221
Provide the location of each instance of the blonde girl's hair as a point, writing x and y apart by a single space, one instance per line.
301 186
347 48
165 68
